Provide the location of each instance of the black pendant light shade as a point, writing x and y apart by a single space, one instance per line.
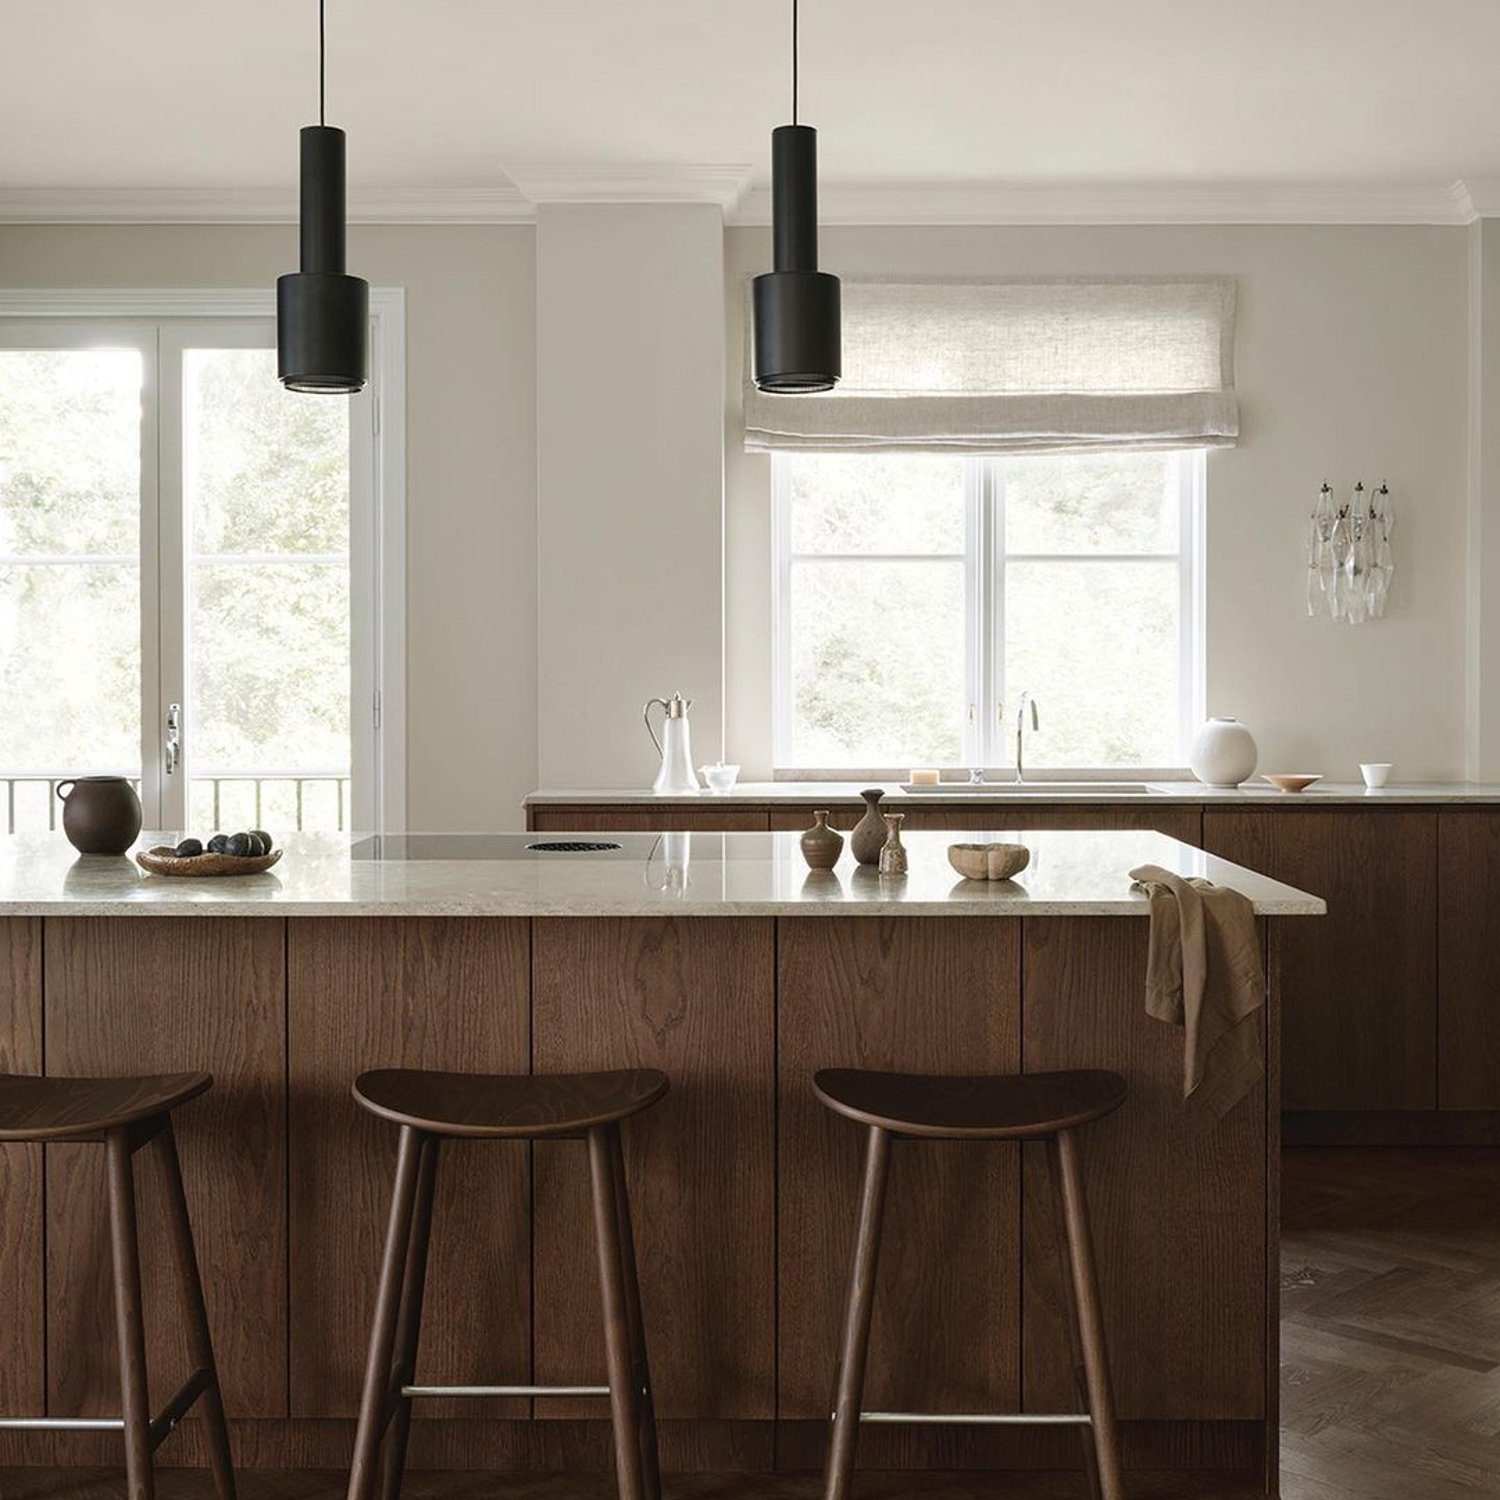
322 313
797 334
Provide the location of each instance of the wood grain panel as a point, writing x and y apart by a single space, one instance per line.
370 992
695 998
1177 1201
1359 986
158 995
942 996
1468 959
22 1327
604 818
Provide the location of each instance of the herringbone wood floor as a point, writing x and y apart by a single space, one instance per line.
1390 1363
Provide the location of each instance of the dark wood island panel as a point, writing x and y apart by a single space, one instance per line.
377 992
159 995
23 1360
1178 1200
1468 1022
940 995
697 999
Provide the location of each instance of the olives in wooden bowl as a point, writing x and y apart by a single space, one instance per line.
247 853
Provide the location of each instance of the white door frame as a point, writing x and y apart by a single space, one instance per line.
377 543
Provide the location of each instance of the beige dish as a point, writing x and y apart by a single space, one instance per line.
988 861
161 861
1286 782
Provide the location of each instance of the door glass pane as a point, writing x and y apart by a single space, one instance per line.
266 543
70 519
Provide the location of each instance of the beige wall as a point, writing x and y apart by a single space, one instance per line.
1351 361
471 467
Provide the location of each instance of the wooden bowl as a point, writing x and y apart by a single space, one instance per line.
161 861
988 861
1286 782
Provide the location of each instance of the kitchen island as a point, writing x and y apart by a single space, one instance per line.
722 960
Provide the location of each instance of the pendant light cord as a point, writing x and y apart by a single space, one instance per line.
794 60
322 69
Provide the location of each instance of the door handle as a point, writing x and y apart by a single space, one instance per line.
174 738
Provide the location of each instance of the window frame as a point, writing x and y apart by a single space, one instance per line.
988 730
157 321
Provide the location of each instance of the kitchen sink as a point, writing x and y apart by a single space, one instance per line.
1033 789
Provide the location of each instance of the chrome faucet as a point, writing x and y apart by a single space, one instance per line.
1026 699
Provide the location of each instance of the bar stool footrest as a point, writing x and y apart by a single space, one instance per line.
409 1392
160 1427
983 1419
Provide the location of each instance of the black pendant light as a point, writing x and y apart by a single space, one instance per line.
796 305
322 313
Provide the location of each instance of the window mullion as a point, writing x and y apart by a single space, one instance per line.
995 630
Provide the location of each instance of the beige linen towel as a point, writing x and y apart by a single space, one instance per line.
1203 973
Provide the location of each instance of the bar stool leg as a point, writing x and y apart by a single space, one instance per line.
624 1399
129 1321
372 1407
1063 1151
409 1320
199 1340
851 1379
636 1325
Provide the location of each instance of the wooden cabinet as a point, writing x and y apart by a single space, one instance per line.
1468 948
609 819
161 995
696 999
1360 984
939 995
1177 1200
23 1363
372 992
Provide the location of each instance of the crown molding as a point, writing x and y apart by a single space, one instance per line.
1131 203
481 205
514 200
720 183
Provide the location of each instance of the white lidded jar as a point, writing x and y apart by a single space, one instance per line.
1223 752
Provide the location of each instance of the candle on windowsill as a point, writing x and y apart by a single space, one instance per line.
924 778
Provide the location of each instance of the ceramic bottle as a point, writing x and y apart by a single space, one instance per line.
893 851
868 838
822 845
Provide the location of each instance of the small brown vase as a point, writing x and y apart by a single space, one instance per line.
869 833
101 814
893 851
822 845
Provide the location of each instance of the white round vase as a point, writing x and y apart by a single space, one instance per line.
1222 753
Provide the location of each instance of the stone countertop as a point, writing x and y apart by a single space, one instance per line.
1072 873
840 793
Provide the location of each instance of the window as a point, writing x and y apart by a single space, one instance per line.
918 596
189 577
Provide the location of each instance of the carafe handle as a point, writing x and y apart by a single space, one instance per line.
646 718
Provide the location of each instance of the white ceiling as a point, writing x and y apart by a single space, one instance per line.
172 100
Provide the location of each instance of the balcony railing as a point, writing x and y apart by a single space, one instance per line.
294 801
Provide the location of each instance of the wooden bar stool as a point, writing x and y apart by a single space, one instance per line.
429 1106
126 1113
1022 1107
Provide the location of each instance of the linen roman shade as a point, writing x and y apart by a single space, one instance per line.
1027 365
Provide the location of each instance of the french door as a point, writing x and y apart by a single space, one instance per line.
178 601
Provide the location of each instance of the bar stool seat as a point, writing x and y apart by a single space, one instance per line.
59 1109
480 1106
126 1114
1046 1107
431 1107
994 1108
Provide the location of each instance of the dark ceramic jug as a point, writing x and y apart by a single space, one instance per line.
101 814
869 833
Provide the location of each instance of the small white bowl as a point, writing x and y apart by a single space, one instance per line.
720 778
1375 772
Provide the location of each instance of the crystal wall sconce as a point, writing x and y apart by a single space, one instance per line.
1349 561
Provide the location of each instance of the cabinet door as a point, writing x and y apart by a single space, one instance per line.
166 995
23 1391
939 995
1469 959
694 998
1359 985
382 992
1177 1200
